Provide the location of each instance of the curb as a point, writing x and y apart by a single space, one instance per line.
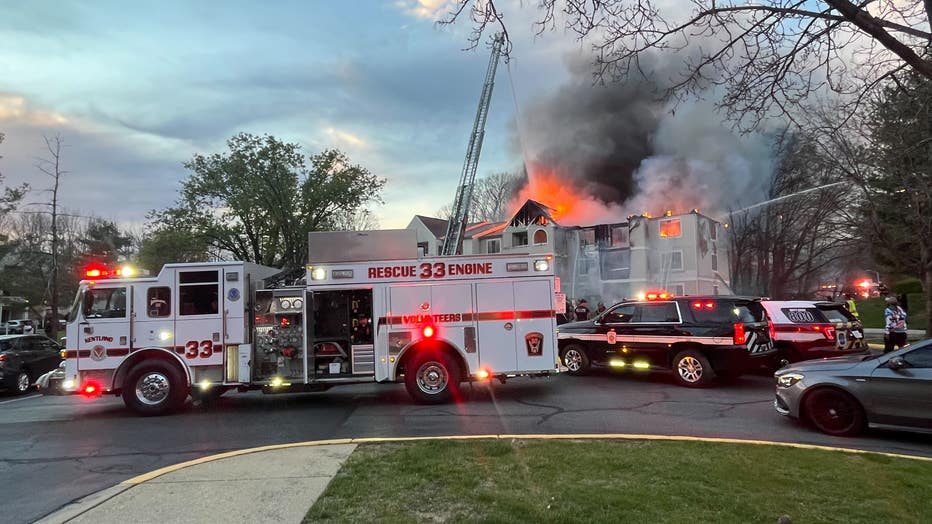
93 500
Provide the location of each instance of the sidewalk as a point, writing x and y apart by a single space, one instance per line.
277 485
918 333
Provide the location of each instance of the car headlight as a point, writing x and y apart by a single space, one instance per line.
785 381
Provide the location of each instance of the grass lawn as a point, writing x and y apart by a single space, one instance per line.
871 311
621 481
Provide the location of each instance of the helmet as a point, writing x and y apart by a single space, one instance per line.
891 300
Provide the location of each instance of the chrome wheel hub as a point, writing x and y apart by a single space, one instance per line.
572 359
432 378
152 388
689 369
22 382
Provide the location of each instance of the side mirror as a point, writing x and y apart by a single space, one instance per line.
897 363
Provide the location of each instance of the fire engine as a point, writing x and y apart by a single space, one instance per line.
364 312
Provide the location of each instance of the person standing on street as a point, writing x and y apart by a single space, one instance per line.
852 307
895 326
582 310
600 309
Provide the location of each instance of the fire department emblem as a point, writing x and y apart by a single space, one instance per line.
611 337
535 344
98 353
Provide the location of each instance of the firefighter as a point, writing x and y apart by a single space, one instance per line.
895 326
582 310
362 332
852 307
600 309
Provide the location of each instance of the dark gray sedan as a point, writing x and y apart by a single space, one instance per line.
841 396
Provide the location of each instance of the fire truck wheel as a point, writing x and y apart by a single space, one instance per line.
154 387
432 378
575 359
692 369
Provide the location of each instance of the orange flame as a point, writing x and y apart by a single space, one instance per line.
569 204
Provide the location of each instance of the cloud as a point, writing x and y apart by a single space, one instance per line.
14 110
345 138
425 9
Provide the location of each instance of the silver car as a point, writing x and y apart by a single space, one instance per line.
841 396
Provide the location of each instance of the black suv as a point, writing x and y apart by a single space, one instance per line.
699 338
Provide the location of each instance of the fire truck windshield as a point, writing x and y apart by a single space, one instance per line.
75 307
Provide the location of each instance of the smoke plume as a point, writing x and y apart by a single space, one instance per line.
621 150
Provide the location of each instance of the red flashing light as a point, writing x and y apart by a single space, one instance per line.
285 322
657 295
91 389
865 284
483 374
740 335
428 331
699 305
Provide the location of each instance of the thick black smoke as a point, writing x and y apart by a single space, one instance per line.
596 135
628 149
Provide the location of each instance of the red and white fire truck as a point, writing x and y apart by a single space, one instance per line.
201 329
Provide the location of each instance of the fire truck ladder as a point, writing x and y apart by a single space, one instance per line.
456 228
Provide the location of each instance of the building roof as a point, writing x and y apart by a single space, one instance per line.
437 226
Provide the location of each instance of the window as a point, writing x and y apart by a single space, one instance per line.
158 302
836 314
519 239
714 258
619 315
105 303
493 245
713 230
620 236
587 237
919 358
670 228
422 248
715 290
540 237
582 265
615 264
679 290
673 260
198 292
658 312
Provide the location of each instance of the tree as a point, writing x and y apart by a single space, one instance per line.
52 168
768 57
260 199
898 203
490 198
781 250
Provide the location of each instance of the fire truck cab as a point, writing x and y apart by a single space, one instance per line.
205 328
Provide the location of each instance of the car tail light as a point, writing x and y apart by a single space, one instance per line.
772 329
829 333
2 358
740 335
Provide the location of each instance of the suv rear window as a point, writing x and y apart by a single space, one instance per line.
729 311
836 314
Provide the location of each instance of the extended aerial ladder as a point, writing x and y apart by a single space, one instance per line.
456 228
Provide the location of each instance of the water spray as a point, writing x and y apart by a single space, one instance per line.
778 199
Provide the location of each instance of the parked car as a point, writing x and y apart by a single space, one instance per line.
805 330
14 327
841 396
699 338
23 358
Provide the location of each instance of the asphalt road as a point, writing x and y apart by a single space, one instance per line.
57 449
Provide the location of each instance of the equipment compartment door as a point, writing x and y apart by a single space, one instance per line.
535 325
495 308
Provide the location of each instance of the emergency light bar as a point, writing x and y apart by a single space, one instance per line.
97 271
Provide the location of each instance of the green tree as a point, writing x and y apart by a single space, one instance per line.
258 201
9 200
170 241
899 189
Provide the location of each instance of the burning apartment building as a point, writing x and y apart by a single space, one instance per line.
685 254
